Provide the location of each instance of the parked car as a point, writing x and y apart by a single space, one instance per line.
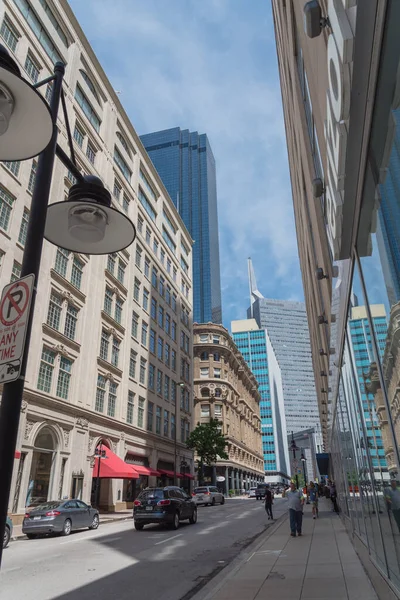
260 491
59 516
169 506
252 492
7 532
208 494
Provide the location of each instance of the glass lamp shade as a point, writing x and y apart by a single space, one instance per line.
26 125
87 223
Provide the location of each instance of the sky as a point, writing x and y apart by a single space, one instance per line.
210 66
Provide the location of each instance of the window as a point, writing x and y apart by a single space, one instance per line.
204 356
217 373
140 224
187 430
64 378
166 387
24 227
154 277
152 376
142 377
205 410
159 382
12 166
120 162
121 271
115 351
203 337
49 91
32 176
173 426
130 407
9 35
87 108
112 399
79 136
140 417
160 352
111 262
169 222
144 333
136 290
182 431
173 360
217 357
168 240
148 236
124 144
71 319
104 344
167 354
147 206
54 312
216 339
162 255
173 392
6 204
204 371
158 420
118 310
138 256
32 69
169 265
54 21
168 323
218 393
46 370
161 286
184 265
218 411
150 414
147 267
125 202
39 31
89 83
154 309
205 393
173 331
168 295
145 299
91 153
161 317
117 190
100 394
174 274
132 364
166 423
147 185
76 273
61 263
16 271
155 247
135 325
152 341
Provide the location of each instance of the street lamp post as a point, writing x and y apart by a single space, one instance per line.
293 447
100 454
85 223
303 460
182 385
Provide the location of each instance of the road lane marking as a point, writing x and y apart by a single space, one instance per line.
168 539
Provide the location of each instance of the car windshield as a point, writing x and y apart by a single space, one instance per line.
48 506
152 493
200 490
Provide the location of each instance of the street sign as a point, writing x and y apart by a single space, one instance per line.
15 306
220 478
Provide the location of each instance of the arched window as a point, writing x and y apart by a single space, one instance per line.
45 439
90 84
204 356
217 357
205 393
218 393
42 469
124 144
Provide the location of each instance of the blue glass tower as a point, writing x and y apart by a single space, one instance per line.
360 335
186 165
252 343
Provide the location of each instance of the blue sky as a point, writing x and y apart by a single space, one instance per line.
210 66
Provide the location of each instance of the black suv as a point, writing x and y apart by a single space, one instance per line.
168 505
260 491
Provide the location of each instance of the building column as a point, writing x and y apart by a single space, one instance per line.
226 481
241 480
214 475
232 480
237 480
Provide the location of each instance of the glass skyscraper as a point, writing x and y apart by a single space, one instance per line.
186 165
253 344
287 327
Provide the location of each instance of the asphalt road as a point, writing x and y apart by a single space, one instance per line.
118 563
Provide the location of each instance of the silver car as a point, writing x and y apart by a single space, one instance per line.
60 516
208 494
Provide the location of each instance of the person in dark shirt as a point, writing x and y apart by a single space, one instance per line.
268 502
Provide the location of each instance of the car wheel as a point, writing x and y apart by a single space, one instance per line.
223 500
31 536
175 522
95 522
67 527
139 526
7 535
193 518
213 502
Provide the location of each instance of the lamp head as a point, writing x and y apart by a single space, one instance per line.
86 222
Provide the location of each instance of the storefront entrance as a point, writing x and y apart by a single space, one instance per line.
41 475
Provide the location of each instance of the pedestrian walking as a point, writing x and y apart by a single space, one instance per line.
269 500
295 504
313 496
392 496
333 495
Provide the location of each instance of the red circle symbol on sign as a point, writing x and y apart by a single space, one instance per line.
14 303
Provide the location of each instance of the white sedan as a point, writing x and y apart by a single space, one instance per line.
252 492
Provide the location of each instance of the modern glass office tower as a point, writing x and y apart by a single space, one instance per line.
287 327
257 350
186 165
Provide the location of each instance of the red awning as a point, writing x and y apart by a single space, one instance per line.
17 454
113 467
146 470
170 474
186 475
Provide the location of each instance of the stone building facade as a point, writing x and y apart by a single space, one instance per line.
226 389
111 341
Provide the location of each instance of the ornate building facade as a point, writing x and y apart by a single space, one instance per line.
226 389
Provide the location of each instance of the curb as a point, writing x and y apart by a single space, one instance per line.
22 536
213 585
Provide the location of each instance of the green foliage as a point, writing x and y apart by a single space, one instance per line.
208 443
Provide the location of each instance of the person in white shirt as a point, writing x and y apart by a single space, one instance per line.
295 504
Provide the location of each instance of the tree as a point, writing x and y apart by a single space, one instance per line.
208 443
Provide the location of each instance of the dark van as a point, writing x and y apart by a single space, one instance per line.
260 491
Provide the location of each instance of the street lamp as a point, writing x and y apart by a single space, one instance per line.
293 448
100 454
303 460
85 223
182 385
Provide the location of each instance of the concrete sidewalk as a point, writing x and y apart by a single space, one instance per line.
320 565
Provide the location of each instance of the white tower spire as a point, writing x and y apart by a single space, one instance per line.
254 293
